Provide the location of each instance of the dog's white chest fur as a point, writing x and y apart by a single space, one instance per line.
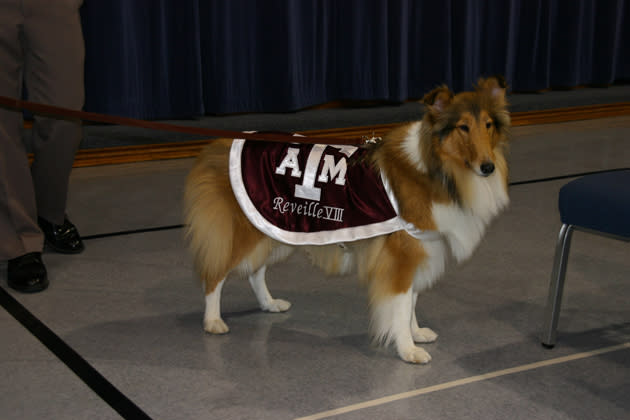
464 227
461 227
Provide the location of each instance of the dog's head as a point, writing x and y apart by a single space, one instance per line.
469 129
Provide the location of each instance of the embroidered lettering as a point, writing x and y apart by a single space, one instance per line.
307 189
290 161
277 202
334 214
346 150
330 170
338 170
311 209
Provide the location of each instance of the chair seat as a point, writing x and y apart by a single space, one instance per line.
599 202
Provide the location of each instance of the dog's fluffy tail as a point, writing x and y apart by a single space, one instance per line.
209 215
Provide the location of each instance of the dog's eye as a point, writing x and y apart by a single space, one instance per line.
488 125
463 127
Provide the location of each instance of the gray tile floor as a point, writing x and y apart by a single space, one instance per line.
131 307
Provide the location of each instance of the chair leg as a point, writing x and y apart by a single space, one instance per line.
556 286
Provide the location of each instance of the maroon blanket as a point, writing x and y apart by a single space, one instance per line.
311 194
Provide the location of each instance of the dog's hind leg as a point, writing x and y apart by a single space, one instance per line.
420 335
265 300
212 321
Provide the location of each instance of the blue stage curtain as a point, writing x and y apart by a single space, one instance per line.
160 59
142 58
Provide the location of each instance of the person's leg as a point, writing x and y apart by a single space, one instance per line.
18 213
54 61
22 240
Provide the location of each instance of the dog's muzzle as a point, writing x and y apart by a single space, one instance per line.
486 168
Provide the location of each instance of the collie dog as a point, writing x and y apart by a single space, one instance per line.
448 176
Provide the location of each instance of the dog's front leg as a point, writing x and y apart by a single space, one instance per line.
392 317
402 317
265 300
212 321
420 335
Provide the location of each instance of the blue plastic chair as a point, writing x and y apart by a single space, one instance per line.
599 204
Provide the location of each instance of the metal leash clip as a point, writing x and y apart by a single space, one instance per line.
371 140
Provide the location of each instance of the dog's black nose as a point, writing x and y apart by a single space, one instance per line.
487 168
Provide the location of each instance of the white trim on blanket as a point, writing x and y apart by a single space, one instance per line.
316 238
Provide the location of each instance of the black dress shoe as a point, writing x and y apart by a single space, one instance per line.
61 238
27 273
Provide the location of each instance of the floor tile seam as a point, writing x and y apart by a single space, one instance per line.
181 226
465 381
72 359
565 176
132 232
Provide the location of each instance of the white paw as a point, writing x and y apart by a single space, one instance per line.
423 335
415 355
215 326
277 305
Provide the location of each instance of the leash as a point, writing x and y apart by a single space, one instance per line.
72 114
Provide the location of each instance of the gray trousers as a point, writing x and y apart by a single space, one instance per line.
41 47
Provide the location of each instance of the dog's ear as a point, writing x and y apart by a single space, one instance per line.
494 85
438 99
